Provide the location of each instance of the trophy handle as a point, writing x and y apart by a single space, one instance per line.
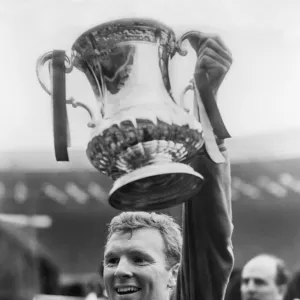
189 87
58 58
58 95
206 108
206 93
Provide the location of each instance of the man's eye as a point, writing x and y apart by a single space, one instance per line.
140 260
259 282
112 261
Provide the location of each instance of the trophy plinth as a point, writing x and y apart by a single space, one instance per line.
156 186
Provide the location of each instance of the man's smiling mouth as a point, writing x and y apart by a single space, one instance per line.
127 290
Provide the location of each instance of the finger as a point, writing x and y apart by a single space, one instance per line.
198 39
216 71
212 44
212 58
217 39
222 44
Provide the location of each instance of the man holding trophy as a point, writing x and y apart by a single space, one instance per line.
158 162
144 258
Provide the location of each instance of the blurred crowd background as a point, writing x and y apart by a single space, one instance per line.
53 217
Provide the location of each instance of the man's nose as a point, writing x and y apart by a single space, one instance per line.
251 287
124 268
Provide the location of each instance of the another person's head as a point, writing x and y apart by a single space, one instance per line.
142 256
264 277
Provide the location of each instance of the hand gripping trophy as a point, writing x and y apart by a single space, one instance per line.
140 137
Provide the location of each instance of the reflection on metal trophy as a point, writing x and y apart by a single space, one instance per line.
141 137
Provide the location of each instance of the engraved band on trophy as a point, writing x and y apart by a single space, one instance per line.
140 137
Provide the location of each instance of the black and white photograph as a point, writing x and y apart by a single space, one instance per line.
150 150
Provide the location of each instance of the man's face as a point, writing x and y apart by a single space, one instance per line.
258 280
135 266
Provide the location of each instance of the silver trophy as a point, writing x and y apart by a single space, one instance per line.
140 137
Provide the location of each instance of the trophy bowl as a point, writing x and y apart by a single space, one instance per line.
141 137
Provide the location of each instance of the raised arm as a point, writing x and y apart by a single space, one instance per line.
207 257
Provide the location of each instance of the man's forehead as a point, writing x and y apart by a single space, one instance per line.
144 239
260 267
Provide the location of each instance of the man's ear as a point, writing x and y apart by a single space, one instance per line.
173 276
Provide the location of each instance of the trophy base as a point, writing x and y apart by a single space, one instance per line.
155 187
